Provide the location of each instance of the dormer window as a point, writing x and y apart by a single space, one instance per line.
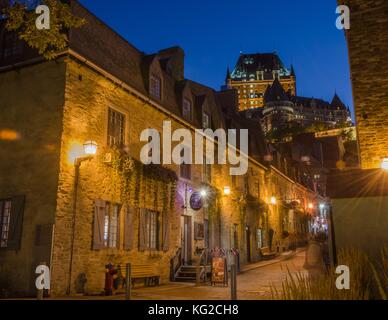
205 121
187 109
155 87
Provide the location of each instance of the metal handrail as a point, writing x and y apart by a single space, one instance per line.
175 265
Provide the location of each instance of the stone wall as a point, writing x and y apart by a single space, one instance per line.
31 107
368 53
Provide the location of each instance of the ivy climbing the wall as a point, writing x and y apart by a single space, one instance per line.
147 186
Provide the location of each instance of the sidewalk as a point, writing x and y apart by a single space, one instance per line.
253 285
279 258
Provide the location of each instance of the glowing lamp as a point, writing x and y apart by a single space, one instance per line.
273 200
310 206
203 193
227 191
90 148
305 159
384 164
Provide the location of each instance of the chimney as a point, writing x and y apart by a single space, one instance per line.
174 59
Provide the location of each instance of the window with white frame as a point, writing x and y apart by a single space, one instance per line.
5 217
111 225
116 128
150 231
205 120
187 109
152 225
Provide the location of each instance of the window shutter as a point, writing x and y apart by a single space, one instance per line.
143 232
166 231
129 219
98 226
16 223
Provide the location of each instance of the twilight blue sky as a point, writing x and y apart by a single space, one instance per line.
213 32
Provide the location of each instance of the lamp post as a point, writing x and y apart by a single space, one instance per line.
90 149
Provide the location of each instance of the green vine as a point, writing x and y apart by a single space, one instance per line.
148 186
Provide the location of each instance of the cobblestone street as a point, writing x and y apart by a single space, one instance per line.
252 285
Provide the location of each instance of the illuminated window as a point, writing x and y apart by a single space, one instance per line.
111 225
151 231
116 128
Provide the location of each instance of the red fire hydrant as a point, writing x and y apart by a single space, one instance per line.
110 273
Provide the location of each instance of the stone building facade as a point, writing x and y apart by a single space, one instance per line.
103 89
367 44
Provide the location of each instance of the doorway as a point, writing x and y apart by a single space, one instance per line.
186 239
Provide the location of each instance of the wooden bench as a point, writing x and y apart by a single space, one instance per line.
266 253
146 272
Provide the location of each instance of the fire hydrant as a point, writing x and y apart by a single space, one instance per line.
110 274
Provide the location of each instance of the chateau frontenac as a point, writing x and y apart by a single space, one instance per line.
267 91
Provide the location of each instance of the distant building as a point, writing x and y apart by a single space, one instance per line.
266 91
253 74
281 110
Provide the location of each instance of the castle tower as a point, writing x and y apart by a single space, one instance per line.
253 74
278 109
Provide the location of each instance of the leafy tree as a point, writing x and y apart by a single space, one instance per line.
21 18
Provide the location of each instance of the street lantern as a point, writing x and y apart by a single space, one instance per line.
384 164
227 190
90 148
203 193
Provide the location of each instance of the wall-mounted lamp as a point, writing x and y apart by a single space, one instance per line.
203 193
227 191
90 148
310 206
273 200
384 164
305 159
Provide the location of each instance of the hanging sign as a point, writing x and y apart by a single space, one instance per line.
196 202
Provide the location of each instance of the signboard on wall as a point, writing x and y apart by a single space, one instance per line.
196 202
219 271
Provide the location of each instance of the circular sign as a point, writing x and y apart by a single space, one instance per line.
196 202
